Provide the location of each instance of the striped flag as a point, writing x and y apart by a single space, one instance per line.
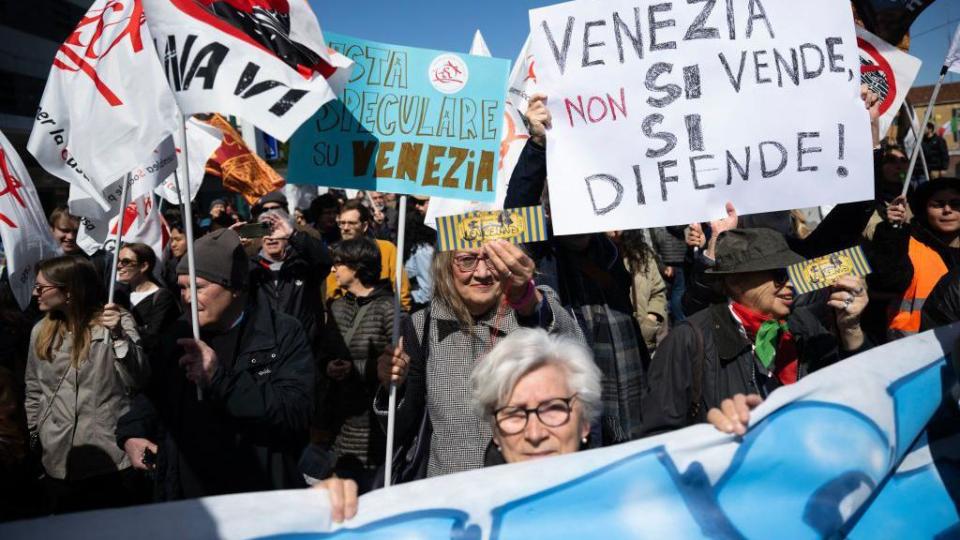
473 229
821 272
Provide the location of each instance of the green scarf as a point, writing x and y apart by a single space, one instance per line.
768 339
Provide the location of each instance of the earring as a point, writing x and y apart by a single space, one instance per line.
584 440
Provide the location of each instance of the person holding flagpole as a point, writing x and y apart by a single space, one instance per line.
256 370
83 364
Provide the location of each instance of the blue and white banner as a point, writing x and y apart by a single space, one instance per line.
414 121
849 451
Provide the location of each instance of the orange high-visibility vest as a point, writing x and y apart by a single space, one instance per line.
928 268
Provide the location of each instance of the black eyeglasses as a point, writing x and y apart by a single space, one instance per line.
126 262
469 263
551 413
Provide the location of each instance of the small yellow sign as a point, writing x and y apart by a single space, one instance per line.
821 272
472 230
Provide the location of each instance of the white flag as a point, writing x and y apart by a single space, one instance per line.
202 141
141 223
479 46
106 109
23 227
888 72
952 63
264 61
513 137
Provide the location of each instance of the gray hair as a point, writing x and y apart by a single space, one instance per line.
524 351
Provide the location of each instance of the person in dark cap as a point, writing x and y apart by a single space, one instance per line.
739 351
910 258
275 200
256 373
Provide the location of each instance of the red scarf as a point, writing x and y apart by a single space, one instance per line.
785 363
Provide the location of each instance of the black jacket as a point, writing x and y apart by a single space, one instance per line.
890 255
252 425
943 304
154 314
724 359
935 152
295 289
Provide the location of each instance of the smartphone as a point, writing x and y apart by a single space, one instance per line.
253 230
149 458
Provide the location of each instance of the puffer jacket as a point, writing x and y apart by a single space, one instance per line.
346 410
78 431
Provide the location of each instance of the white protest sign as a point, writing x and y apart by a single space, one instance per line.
663 111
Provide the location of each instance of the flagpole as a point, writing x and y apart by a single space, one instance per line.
926 118
398 278
916 136
188 230
118 237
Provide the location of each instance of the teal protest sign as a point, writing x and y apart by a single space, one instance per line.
412 121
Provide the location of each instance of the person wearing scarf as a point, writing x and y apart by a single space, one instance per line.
724 360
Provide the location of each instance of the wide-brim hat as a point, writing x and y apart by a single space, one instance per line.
752 250
918 201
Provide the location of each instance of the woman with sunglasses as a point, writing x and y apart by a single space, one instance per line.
83 365
153 307
481 296
740 350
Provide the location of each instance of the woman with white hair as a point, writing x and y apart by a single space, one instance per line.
539 393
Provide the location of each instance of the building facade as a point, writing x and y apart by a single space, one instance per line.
946 117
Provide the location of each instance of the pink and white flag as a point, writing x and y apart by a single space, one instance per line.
263 60
106 110
23 227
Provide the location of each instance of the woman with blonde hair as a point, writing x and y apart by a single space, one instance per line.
83 364
480 297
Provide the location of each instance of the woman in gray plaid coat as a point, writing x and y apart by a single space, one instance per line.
480 296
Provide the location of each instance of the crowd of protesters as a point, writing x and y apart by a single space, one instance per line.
507 353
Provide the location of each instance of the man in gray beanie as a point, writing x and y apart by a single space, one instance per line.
256 372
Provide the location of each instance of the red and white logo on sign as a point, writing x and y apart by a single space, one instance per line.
877 74
448 73
98 33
